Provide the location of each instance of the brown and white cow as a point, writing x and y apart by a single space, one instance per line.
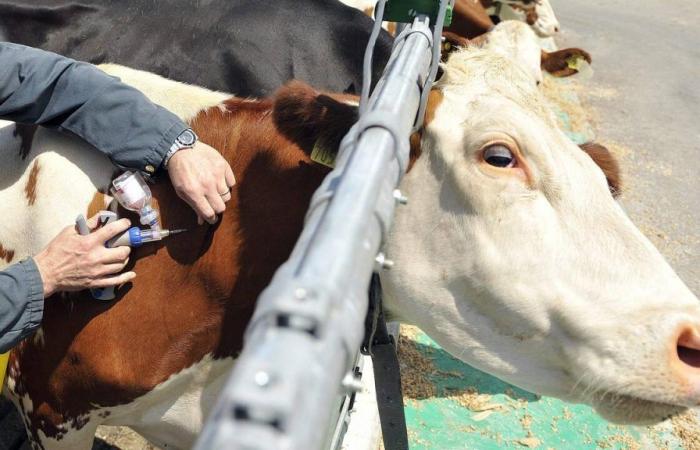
539 14
472 18
471 25
516 40
511 253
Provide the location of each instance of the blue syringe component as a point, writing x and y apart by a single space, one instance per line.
136 237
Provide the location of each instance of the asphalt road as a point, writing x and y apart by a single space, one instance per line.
645 99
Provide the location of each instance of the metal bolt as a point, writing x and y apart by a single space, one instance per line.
351 383
300 293
262 378
400 198
383 262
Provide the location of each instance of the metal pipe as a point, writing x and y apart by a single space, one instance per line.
308 324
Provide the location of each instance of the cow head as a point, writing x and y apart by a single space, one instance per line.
514 256
536 13
517 41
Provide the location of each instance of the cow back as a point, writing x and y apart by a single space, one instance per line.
247 47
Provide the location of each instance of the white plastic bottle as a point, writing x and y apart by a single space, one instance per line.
132 192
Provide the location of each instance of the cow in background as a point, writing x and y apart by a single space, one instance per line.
539 14
225 45
472 18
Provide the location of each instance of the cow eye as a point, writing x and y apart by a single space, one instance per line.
499 155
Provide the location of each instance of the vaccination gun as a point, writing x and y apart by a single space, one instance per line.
132 192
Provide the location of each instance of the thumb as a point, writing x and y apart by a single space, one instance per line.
111 230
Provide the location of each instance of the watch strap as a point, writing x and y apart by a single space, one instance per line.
178 145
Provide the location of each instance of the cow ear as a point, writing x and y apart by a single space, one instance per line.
313 119
563 63
607 163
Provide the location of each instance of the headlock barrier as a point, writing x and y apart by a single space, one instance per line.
301 346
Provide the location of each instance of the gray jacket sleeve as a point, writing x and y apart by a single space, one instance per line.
21 303
47 89
43 88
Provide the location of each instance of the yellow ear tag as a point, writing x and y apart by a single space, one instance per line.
323 153
579 64
3 365
573 62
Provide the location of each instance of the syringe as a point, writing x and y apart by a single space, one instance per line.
136 237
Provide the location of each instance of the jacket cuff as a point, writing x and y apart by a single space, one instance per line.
35 297
155 156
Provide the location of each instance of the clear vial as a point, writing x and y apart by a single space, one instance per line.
132 192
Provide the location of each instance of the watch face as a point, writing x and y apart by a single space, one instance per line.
187 137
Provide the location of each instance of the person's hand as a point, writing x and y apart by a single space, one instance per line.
72 262
203 179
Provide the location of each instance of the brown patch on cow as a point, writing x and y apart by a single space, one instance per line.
6 254
306 116
434 100
26 136
607 163
97 204
369 11
30 188
529 10
469 19
556 62
531 16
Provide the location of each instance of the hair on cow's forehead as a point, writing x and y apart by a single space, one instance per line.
497 74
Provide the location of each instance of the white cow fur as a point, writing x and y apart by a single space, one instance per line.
548 286
516 41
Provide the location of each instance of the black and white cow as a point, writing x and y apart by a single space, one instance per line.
249 47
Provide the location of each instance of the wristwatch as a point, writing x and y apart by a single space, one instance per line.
186 139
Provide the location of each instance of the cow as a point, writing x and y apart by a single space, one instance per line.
517 40
511 253
472 18
248 47
469 19
316 40
539 14
471 26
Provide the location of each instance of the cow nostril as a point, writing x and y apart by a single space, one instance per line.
556 29
689 356
688 348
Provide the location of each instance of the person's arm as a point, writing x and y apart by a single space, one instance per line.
21 303
46 89
70 262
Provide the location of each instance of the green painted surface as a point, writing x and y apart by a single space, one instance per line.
442 422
